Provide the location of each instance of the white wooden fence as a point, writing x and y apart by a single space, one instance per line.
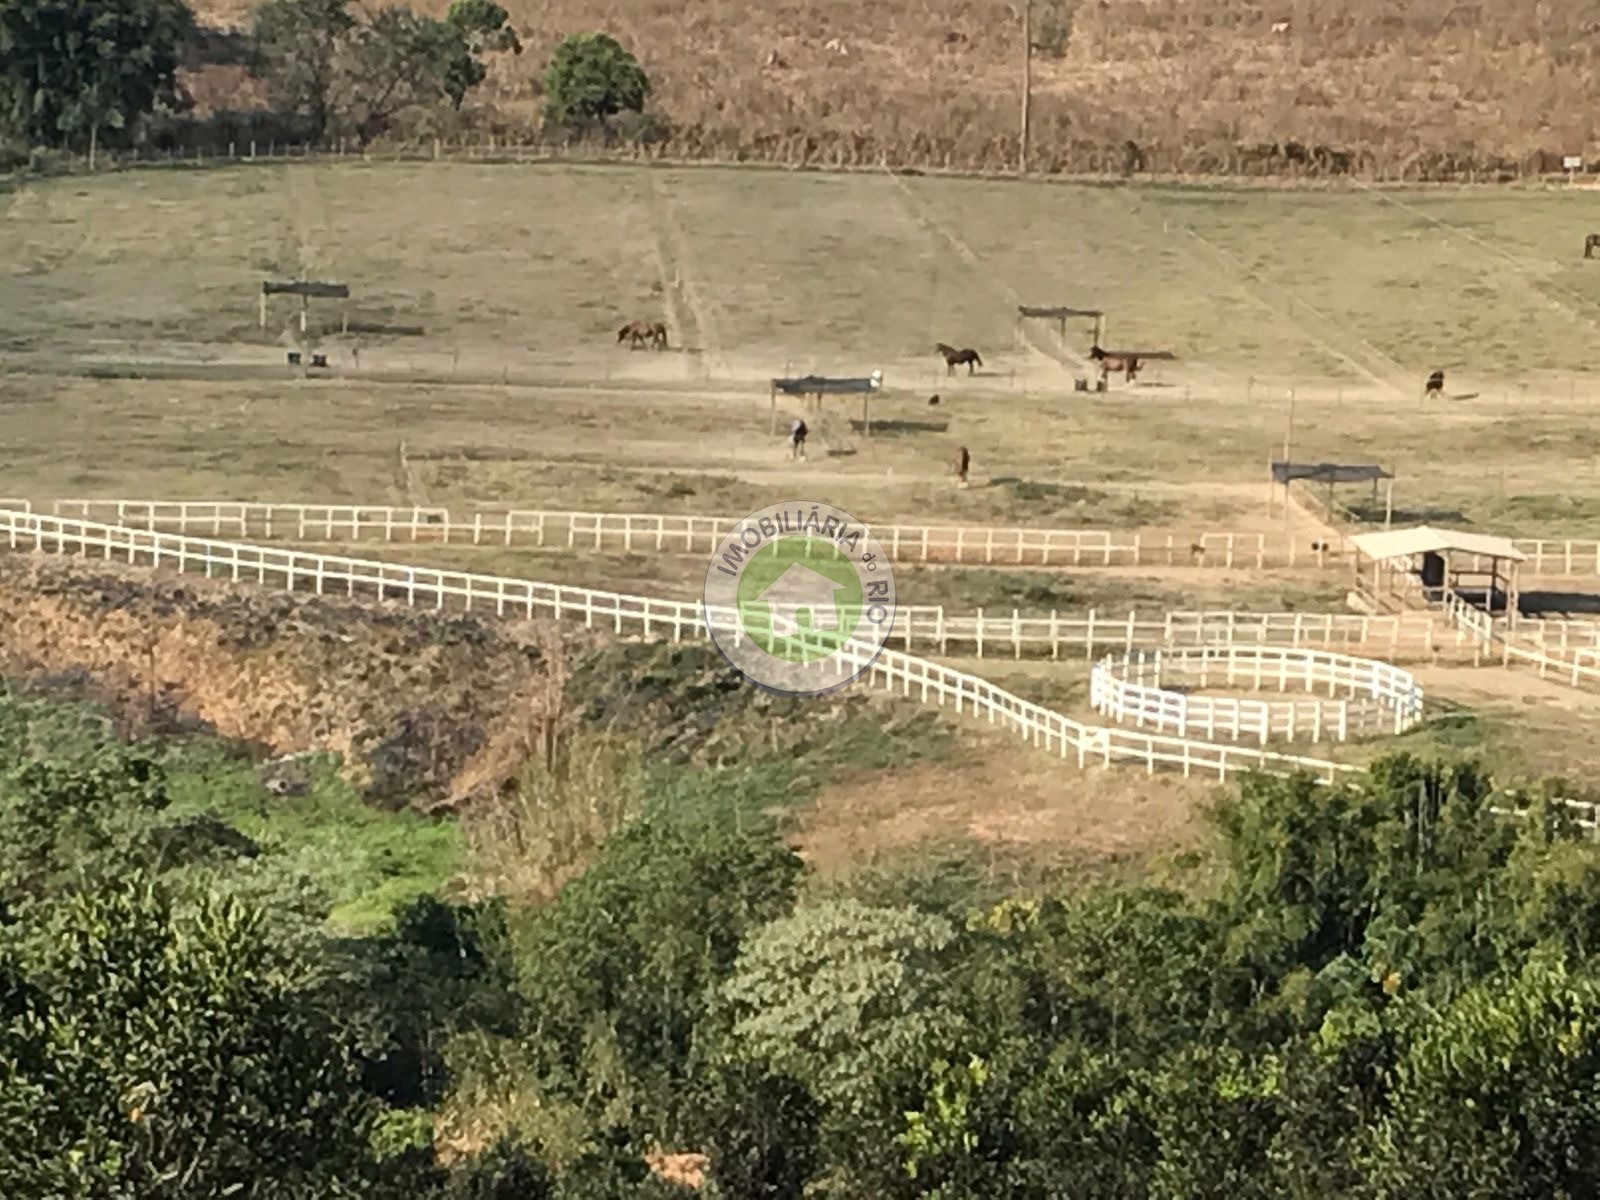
985 633
1568 652
1379 697
1057 635
442 590
690 534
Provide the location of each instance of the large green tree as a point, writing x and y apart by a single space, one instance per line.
355 72
591 76
70 70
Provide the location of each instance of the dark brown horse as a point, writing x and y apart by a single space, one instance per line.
1128 364
1434 386
651 333
963 464
953 358
1591 244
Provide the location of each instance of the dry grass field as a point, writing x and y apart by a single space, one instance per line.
1190 82
486 300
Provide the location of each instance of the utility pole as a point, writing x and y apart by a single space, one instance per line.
1027 83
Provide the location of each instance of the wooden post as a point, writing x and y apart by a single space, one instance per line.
1027 84
263 306
772 409
866 412
1388 504
1100 329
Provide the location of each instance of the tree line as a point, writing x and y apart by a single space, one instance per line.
1384 988
76 74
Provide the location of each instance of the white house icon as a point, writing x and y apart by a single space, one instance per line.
801 589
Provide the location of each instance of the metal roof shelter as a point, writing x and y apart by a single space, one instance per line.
817 386
307 290
1402 543
1332 474
1429 564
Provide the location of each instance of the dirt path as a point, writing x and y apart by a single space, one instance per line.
1282 301
922 213
693 313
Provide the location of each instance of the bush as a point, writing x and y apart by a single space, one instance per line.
592 77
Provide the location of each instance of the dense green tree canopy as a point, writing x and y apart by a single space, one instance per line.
592 77
1381 989
72 70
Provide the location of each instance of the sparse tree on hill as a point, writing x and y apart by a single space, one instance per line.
298 43
481 27
324 63
72 69
591 76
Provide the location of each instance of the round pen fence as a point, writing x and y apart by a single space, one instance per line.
1348 696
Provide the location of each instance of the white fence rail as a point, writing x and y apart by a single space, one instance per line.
1137 687
694 534
982 634
1056 634
1472 621
437 589
690 534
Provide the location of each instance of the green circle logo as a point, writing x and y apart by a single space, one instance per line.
800 598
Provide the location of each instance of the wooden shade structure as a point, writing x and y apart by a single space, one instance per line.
815 387
1061 314
1331 475
307 290
1432 565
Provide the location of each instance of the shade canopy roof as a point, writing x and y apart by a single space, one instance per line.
1283 472
820 385
1402 543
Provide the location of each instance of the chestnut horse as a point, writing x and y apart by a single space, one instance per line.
643 333
1128 364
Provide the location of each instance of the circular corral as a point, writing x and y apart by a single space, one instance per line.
1348 696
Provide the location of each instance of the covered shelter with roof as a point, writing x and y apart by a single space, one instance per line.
1061 314
1330 475
1425 566
815 387
307 290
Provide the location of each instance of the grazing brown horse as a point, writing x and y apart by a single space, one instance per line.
1434 386
953 358
1128 364
1591 244
643 333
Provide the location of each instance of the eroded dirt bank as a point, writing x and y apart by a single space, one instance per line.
420 706
424 708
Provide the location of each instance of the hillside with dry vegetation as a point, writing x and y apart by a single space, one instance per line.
1425 88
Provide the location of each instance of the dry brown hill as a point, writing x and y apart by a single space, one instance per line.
1186 82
